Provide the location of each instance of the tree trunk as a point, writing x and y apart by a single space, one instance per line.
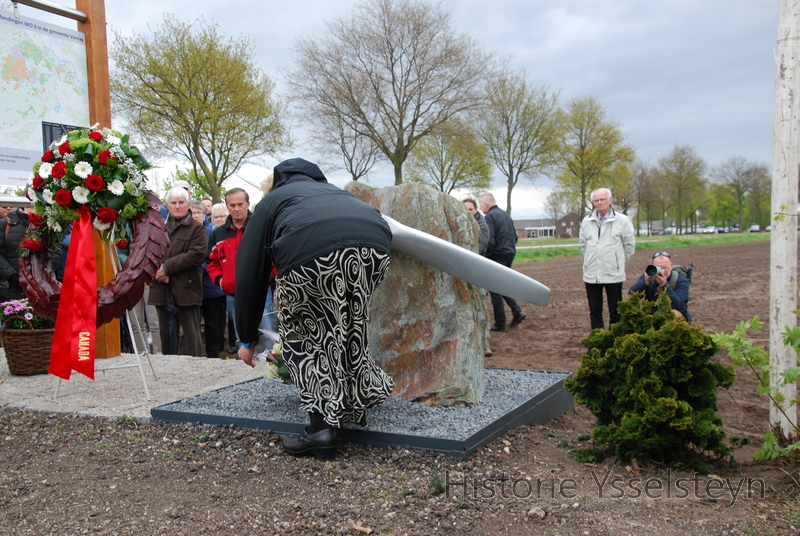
783 239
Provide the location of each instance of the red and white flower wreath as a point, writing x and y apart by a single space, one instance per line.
96 174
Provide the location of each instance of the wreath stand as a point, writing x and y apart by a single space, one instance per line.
136 360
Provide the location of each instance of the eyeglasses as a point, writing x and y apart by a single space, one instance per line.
661 254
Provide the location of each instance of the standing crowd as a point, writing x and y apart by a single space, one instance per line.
196 283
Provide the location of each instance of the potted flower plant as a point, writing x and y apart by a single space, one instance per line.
27 338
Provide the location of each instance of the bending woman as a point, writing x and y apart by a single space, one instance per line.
331 251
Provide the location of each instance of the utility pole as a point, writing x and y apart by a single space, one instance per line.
783 238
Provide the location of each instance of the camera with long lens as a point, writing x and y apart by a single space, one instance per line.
652 270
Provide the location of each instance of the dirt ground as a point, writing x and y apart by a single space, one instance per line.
63 474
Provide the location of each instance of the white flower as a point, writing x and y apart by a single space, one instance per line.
83 169
45 169
100 225
62 140
94 127
116 187
54 225
118 153
80 194
48 196
110 138
271 371
31 193
276 349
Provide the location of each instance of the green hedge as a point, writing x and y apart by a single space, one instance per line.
651 383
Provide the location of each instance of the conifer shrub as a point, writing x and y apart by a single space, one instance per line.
651 384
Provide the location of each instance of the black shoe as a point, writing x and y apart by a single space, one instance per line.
321 445
517 320
495 327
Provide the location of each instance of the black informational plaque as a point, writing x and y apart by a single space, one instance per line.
53 131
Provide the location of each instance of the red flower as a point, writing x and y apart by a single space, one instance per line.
64 148
63 197
96 136
122 243
35 219
103 156
38 183
106 215
33 245
59 170
95 183
48 156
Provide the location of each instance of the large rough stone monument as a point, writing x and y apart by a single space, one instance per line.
428 329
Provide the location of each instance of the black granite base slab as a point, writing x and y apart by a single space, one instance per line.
512 398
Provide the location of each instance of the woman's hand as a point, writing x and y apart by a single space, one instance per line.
246 355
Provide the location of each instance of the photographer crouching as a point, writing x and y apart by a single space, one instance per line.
658 275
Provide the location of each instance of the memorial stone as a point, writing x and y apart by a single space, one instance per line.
428 329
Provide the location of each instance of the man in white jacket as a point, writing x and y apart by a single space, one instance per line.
607 240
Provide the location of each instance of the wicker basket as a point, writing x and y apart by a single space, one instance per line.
28 350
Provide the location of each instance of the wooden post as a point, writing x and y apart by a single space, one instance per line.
107 343
783 238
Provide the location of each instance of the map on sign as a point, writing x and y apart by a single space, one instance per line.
43 79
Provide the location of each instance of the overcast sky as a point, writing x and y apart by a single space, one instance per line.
685 72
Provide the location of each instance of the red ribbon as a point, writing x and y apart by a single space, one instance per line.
75 333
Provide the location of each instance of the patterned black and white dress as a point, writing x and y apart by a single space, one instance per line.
323 308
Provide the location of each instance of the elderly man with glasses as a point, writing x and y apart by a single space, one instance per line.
607 241
660 275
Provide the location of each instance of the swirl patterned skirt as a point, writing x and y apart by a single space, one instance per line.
324 311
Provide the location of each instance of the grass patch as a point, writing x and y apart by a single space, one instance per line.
542 250
545 253
676 241
178 453
438 485
587 455
136 437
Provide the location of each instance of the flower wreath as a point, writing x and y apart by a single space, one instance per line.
99 171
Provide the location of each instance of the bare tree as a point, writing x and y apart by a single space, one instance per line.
393 71
355 154
558 204
592 147
623 185
739 174
663 197
644 181
760 193
519 125
191 92
451 157
683 171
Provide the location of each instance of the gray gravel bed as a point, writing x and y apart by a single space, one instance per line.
270 400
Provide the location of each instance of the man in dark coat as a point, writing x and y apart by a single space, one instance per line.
502 249
672 282
178 290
